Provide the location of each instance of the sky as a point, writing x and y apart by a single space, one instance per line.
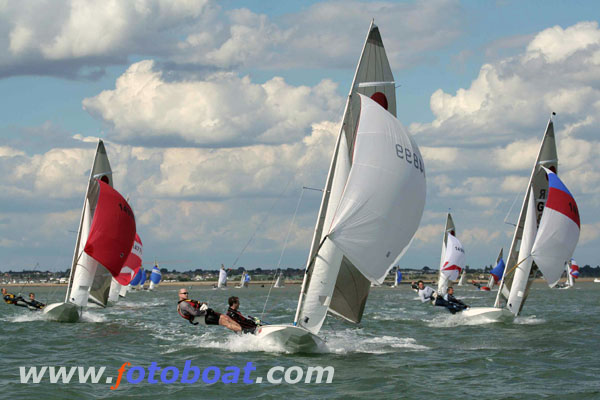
215 114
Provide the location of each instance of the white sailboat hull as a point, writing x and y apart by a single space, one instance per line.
293 338
62 312
492 313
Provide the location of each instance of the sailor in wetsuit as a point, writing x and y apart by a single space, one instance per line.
33 304
425 292
248 324
10 298
191 309
454 305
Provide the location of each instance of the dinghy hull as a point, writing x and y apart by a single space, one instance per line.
491 313
293 338
62 312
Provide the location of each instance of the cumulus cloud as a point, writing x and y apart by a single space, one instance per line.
75 38
221 110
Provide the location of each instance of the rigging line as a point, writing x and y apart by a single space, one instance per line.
510 210
261 224
283 251
519 263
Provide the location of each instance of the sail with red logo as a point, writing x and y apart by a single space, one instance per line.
558 232
132 264
454 258
113 230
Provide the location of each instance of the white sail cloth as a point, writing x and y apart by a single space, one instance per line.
454 261
222 278
558 232
384 197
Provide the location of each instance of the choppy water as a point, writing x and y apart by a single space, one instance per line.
402 349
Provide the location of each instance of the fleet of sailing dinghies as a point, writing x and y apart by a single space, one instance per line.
545 245
372 204
452 260
155 277
104 240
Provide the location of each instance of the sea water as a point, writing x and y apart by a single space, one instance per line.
402 349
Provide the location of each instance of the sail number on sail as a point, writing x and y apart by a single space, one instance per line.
406 154
126 209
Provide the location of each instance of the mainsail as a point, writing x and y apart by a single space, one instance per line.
450 229
372 201
518 279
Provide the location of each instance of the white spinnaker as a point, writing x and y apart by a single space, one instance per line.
329 257
382 204
222 278
521 277
454 259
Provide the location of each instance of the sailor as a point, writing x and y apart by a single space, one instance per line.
453 304
248 324
425 292
10 298
190 309
33 304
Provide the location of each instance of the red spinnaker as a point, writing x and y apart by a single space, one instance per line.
113 230
132 264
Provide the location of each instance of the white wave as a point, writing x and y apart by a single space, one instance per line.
530 320
350 341
87 316
450 320
29 316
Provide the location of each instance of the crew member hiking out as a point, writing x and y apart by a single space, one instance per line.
248 324
196 312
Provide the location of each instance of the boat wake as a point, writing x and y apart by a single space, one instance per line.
447 321
351 341
92 317
28 317
530 320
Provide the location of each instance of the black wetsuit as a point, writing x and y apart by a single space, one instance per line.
190 309
453 304
35 305
248 325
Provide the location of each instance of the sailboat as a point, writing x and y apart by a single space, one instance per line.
222 283
572 273
142 280
279 283
496 273
155 277
398 277
118 286
104 239
371 207
461 281
452 260
545 236
136 279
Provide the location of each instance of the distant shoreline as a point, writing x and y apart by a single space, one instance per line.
256 283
